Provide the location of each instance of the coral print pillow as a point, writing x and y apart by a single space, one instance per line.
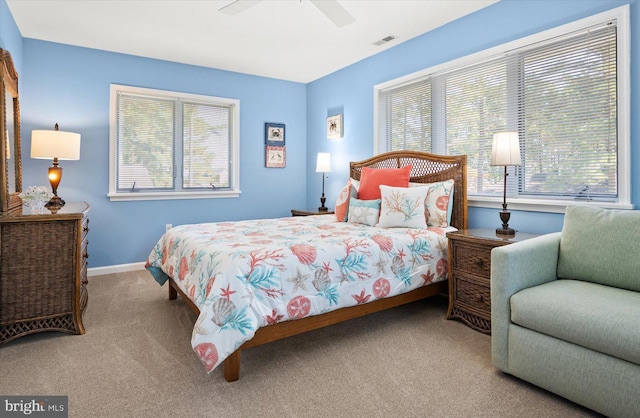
364 211
342 202
403 207
437 203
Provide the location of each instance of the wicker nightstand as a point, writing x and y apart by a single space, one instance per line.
470 274
309 212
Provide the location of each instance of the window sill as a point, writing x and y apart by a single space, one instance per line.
536 205
121 197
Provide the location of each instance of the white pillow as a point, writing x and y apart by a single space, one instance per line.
403 207
364 212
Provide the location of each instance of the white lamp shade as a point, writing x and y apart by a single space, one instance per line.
506 149
324 163
55 144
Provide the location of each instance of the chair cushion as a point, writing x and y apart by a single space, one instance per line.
601 318
601 246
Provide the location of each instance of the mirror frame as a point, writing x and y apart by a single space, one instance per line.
10 203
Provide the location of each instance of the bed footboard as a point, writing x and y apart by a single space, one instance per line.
289 328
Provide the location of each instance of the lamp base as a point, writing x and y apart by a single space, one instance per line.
506 231
505 215
56 203
323 199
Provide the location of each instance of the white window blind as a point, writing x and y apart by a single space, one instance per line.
206 143
145 143
559 93
569 118
172 145
405 115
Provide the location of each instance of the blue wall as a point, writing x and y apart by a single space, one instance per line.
351 89
70 86
10 38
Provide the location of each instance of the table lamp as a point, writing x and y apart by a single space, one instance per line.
506 152
58 145
323 166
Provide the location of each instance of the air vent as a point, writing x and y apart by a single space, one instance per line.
384 40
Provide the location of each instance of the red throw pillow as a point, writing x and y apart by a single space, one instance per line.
372 178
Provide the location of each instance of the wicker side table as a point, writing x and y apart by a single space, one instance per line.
43 272
470 274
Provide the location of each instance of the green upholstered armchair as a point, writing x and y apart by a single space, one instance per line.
566 310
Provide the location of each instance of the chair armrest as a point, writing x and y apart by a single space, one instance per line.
513 268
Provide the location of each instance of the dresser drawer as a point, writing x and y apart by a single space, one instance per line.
470 275
85 228
472 259
473 293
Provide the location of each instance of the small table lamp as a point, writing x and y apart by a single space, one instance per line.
506 151
58 145
323 166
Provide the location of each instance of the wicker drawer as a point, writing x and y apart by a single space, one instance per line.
85 227
475 294
470 274
84 251
43 263
473 259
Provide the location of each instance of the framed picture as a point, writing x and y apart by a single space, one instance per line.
334 127
275 156
274 134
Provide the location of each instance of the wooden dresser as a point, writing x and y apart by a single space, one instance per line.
43 271
470 274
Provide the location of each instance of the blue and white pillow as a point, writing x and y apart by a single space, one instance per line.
364 212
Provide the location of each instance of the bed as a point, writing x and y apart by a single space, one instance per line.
256 281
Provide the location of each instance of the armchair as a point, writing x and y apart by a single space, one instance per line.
566 310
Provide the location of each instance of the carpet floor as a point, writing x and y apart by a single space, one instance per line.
135 360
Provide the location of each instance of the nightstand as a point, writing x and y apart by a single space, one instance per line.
470 274
310 212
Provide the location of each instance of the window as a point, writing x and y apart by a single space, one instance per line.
167 145
565 91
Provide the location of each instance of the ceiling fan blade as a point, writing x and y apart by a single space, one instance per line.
334 11
238 6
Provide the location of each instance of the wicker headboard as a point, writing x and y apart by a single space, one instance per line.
426 168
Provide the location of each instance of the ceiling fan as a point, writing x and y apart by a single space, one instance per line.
331 8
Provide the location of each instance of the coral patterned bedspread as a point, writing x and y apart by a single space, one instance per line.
250 274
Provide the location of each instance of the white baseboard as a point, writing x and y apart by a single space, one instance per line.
120 268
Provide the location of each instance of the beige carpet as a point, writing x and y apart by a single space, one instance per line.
136 361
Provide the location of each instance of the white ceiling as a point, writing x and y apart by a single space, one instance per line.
284 39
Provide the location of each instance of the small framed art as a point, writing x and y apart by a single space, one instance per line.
334 127
275 156
274 134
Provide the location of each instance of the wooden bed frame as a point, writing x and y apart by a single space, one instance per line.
426 168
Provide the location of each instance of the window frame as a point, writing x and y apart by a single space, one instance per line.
621 14
234 149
